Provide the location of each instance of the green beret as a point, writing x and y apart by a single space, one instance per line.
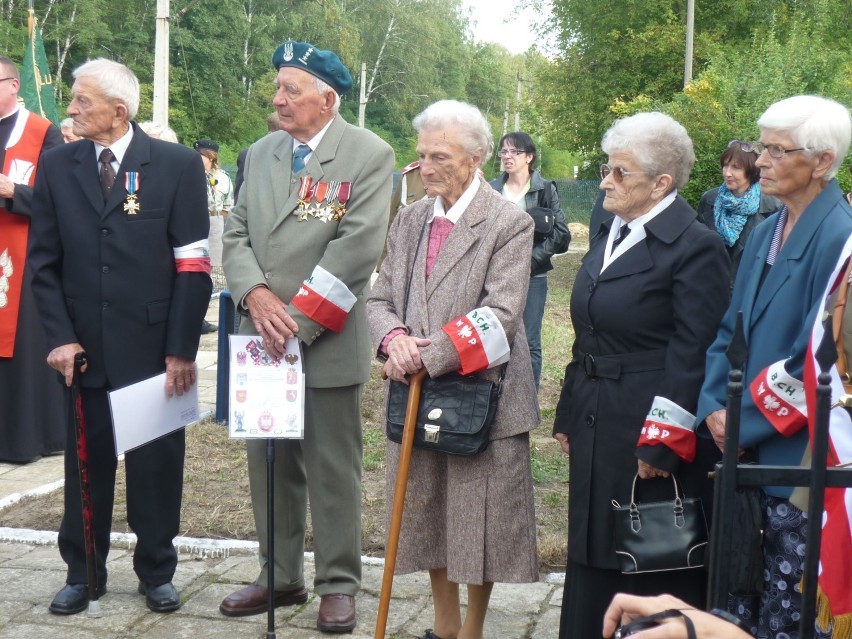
323 64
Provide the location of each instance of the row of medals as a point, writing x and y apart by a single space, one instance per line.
318 200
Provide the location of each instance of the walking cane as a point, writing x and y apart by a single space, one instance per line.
411 408
85 491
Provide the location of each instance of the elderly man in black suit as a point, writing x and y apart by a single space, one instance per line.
120 270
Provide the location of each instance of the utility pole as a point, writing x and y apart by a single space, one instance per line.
690 30
518 105
362 100
161 65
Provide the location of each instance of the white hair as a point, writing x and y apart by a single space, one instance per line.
116 81
322 87
658 142
67 124
475 135
158 131
815 123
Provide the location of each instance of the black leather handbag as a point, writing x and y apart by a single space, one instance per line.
543 221
455 414
660 535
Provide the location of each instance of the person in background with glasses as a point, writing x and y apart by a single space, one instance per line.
736 207
646 304
522 184
785 268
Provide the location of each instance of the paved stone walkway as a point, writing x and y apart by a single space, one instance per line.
31 572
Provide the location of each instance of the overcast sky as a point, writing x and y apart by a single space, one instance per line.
487 18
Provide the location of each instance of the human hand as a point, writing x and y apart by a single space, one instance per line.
404 356
646 471
627 608
562 438
7 187
180 375
271 319
716 422
61 359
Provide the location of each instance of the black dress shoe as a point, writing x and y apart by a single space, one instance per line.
73 598
429 635
207 327
162 598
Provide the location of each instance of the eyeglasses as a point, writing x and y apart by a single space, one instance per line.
504 153
617 173
775 151
9 78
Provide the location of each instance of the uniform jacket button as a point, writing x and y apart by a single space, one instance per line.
590 420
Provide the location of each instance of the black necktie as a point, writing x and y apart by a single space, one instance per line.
623 232
107 173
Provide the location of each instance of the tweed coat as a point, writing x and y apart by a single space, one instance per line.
452 501
266 245
480 265
653 311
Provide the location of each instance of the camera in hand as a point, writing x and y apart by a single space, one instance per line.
643 623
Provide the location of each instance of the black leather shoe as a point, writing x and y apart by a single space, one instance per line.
162 598
73 598
207 327
429 635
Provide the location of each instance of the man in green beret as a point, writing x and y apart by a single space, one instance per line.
299 249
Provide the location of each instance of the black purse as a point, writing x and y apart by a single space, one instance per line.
456 411
543 221
454 417
660 535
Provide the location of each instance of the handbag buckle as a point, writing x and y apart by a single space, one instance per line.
635 522
431 432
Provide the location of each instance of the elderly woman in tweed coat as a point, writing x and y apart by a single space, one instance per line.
467 520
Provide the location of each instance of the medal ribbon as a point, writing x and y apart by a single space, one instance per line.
131 182
305 189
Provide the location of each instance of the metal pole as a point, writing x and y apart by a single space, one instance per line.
826 355
726 475
270 534
161 65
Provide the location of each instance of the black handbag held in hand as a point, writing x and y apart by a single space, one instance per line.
455 413
660 535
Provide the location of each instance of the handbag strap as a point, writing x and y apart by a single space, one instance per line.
678 493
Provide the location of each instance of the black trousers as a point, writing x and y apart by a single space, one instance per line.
154 475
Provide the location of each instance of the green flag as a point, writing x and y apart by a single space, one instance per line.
37 89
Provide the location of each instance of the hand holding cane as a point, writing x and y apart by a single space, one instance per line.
85 492
415 384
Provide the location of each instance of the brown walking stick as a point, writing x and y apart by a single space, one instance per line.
411 408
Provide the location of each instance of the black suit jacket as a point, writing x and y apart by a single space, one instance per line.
105 277
659 305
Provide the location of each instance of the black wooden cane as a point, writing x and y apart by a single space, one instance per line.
726 475
270 534
85 489
826 356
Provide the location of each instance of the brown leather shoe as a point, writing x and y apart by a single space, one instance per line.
254 599
336 613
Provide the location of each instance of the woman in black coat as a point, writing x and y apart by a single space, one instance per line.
645 306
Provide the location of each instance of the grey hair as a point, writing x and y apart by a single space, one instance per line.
658 142
815 123
116 81
322 87
67 123
158 131
475 135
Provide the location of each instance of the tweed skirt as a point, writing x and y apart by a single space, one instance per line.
474 516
